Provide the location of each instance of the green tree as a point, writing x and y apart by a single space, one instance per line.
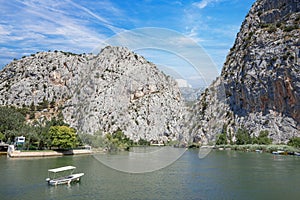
242 137
52 104
262 138
222 138
32 107
143 142
63 137
117 141
11 121
96 140
56 121
2 137
43 105
295 142
230 137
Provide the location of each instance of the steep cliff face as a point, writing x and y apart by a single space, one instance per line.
261 75
116 89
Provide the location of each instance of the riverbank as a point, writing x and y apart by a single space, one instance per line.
47 153
255 147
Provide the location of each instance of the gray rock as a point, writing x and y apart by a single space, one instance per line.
116 89
261 77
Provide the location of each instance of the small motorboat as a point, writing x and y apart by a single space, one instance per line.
63 175
296 153
279 152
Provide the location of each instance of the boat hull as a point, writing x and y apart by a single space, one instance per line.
66 180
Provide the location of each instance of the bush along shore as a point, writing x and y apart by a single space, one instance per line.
272 148
261 143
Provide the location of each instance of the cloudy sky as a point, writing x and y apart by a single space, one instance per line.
83 26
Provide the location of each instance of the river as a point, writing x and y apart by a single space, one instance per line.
220 175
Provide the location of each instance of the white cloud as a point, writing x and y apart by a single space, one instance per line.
106 22
56 24
183 83
4 30
202 4
193 33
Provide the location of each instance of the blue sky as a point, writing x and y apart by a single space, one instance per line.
30 26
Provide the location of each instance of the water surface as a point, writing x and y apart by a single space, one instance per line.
220 175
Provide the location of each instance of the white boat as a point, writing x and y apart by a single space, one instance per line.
63 175
297 154
279 152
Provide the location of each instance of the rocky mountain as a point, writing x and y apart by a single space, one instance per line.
259 87
116 89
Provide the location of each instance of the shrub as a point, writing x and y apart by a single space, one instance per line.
295 142
278 24
222 139
259 13
63 137
31 115
143 142
271 29
262 25
290 28
43 105
262 138
2 136
243 137
117 141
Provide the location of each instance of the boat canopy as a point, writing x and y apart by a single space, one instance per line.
60 169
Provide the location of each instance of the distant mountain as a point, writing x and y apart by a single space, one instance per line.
116 89
259 88
190 94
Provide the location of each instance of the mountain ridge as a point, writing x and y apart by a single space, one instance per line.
116 89
258 89
260 79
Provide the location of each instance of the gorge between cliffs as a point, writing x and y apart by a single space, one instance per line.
117 89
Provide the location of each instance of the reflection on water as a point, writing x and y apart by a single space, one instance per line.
142 160
220 175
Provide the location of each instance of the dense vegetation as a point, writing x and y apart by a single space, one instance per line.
112 142
243 137
55 133
295 142
63 137
39 135
117 141
245 142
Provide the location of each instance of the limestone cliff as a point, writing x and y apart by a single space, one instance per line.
116 89
258 89
260 80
